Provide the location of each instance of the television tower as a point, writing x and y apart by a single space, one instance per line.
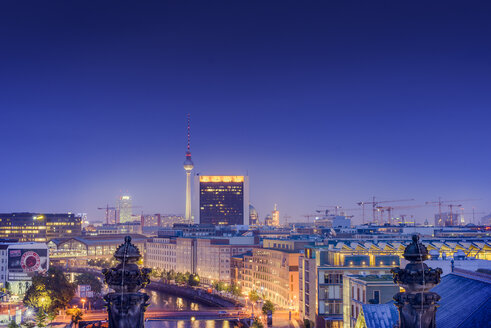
188 167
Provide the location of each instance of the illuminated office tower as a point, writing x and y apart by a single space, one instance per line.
276 217
124 209
188 167
222 200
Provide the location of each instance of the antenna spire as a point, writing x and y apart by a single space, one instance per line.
188 151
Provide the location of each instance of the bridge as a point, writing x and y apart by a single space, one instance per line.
93 317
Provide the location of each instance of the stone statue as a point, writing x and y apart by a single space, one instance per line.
417 305
126 305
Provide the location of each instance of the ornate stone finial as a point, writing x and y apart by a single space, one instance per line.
127 252
416 251
417 305
126 306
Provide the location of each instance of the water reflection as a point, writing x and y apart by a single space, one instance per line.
163 301
189 324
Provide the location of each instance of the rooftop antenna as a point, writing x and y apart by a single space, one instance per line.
188 152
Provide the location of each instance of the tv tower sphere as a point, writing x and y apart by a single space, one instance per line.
188 163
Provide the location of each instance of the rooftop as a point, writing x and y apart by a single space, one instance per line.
465 300
373 277
380 315
107 239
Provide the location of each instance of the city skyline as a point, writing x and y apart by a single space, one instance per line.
325 105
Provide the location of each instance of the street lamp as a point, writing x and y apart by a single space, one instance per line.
83 303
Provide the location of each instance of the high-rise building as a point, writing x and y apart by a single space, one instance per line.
222 200
447 219
188 167
275 217
124 208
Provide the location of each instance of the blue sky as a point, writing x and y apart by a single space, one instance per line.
322 103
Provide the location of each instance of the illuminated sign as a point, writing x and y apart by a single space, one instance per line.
221 178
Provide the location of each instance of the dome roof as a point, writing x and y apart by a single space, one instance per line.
252 209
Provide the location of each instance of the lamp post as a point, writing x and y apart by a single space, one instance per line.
83 300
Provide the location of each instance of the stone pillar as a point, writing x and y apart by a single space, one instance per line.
126 305
417 305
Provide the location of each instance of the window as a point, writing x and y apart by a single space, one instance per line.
333 278
376 296
334 292
335 307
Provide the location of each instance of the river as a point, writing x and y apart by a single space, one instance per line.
165 301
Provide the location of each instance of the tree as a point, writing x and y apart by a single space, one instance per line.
268 306
180 278
236 290
28 325
89 279
41 318
50 292
257 323
254 296
76 315
13 324
193 280
171 275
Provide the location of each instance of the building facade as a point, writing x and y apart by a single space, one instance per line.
322 269
210 258
365 289
322 272
19 262
222 200
77 251
272 271
124 209
39 227
161 254
273 274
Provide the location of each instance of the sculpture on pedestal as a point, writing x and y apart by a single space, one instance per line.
417 305
126 305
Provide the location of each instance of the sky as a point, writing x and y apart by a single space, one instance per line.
319 102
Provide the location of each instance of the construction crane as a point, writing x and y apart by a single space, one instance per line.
308 216
107 208
390 210
375 203
441 202
335 207
286 218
